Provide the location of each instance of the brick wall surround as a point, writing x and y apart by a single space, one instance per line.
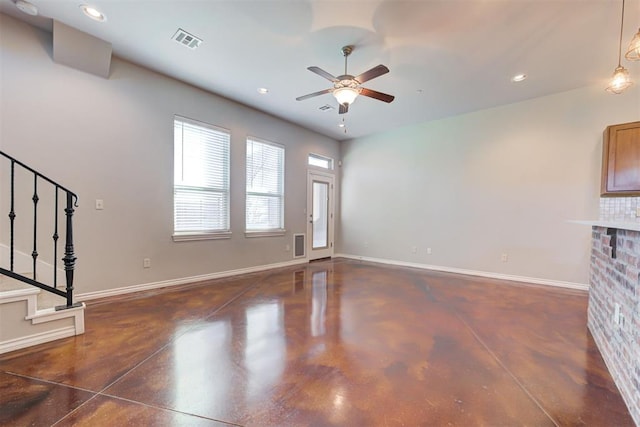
617 281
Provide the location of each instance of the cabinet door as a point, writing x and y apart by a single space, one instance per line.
621 160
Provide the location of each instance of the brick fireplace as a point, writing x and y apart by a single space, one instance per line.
614 307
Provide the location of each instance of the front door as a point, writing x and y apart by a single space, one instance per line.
319 215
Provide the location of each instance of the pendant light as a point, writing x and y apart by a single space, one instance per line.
633 53
620 79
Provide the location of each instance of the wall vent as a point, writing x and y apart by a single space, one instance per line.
298 246
326 107
184 38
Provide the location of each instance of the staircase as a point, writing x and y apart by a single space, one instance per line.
33 307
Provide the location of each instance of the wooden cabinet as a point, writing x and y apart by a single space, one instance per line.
621 160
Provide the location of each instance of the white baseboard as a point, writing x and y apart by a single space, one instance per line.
38 317
183 280
522 279
35 339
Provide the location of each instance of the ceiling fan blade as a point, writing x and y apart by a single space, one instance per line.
376 95
311 95
319 71
343 108
372 73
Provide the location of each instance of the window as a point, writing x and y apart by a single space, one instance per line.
320 161
265 186
201 180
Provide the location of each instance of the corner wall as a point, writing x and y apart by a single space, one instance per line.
499 181
112 139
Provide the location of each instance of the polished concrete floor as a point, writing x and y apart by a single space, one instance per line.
333 343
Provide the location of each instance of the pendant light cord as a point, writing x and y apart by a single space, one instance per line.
620 43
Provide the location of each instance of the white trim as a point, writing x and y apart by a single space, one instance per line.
17 295
321 172
41 316
50 314
187 237
29 295
490 275
328 178
35 339
266 233
184 280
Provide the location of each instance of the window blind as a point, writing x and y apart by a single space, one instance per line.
265 186
201 177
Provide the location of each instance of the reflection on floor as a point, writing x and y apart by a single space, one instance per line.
336 342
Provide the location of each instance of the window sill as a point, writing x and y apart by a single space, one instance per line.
266 233
201 236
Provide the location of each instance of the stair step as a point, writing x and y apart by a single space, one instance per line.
45 299
40 322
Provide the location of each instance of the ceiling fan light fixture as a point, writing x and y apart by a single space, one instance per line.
633 53
619 81
345 95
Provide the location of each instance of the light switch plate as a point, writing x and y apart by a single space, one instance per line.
638 212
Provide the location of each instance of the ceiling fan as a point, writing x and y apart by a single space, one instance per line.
346 88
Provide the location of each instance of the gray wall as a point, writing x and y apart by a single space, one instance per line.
472 187
503 180
112 139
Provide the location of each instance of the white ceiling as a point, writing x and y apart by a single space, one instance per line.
446 57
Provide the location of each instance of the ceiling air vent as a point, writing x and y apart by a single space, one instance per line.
326 107
184 38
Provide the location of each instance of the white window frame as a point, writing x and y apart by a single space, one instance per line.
280 231
204 234
329 160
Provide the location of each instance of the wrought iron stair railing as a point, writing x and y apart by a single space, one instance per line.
70 201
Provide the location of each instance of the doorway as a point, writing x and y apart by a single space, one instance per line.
319 215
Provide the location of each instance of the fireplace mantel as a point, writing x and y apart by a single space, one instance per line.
633 226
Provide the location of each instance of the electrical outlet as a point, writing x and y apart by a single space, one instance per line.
287 248
414 249
505 257
428 251
366 244
146 263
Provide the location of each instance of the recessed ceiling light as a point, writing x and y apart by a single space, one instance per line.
27 7
518 78
93 13
263 90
